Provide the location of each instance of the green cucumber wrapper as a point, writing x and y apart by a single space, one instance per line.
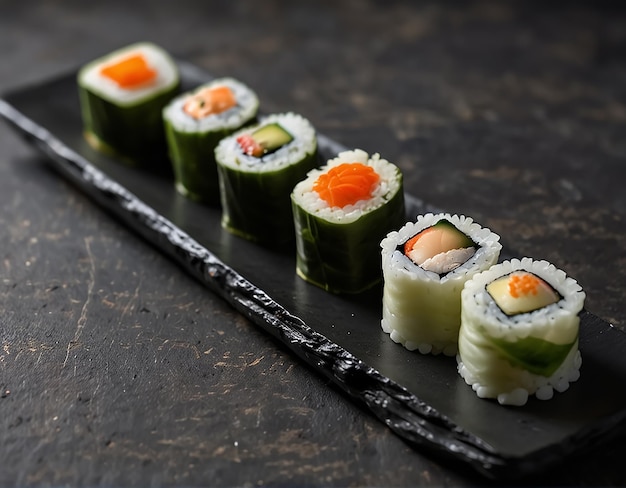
193 160
134 132
535 355
345 258
256 205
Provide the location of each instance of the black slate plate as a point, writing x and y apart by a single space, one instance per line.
421 398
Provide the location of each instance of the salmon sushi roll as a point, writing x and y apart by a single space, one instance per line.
425 265
195 122
519 331
341 213
122 95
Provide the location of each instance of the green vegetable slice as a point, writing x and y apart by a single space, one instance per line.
271 137
536 355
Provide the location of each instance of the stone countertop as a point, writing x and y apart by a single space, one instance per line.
513 113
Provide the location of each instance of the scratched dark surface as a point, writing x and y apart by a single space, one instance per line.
117 369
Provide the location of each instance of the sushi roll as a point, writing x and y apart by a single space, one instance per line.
425 265
195 122
341 213
519 331
122 95
258 168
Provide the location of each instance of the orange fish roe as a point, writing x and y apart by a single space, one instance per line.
131 72
523 284
210 101
346 184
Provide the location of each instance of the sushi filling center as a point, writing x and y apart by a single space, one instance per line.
346 184
209 101
264 140
441 248
130 73
521 292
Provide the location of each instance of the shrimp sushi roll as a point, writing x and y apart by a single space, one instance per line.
122 95
341 213
519 331
258 168
195 122
425 265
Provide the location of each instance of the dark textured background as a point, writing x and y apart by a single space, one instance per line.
116 369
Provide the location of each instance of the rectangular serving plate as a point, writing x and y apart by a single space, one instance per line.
421 398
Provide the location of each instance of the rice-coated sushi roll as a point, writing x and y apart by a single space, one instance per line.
195 122
519 331
341 213
425 265
122 96
258 168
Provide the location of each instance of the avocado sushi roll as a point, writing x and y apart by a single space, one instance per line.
519 331
425 265
258 168
195 122
122 95
341 213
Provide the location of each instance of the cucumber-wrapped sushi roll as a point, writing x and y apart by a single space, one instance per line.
341 213
519 331
425 265
122 96
195 122
258 168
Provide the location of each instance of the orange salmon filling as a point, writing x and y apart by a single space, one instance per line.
210 101
346 184
131 72
410 244
441 248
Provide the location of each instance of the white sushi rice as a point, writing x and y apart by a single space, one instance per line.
422 309
231 119
228 152
389 184
484 368
90 78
